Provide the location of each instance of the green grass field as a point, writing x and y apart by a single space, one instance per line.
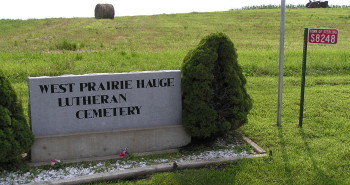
319 153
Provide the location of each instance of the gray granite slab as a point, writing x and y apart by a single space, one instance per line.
101 102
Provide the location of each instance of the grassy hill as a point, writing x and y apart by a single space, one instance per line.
32 47
319 153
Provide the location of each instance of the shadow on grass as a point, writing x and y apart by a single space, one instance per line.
320 175
285 156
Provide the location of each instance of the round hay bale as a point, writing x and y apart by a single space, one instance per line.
104 11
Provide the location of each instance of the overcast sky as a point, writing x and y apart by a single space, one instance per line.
38 9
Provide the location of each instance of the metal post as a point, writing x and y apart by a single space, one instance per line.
306 31
281 64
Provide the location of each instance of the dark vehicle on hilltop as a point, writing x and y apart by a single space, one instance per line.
317 4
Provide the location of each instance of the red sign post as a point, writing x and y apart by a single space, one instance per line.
323 36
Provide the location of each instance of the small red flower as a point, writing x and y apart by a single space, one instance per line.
121 154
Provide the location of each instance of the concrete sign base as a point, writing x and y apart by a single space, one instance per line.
105 143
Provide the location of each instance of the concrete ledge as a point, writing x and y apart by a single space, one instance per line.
107 143
103 158
131 173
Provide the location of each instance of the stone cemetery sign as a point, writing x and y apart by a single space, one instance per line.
101 102
74 117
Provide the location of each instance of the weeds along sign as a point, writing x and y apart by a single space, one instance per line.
102 102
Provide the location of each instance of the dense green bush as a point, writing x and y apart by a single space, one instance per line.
15 134
214 97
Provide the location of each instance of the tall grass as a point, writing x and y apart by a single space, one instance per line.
288 6
65 45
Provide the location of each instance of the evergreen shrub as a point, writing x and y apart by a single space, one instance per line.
15 135
215 100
